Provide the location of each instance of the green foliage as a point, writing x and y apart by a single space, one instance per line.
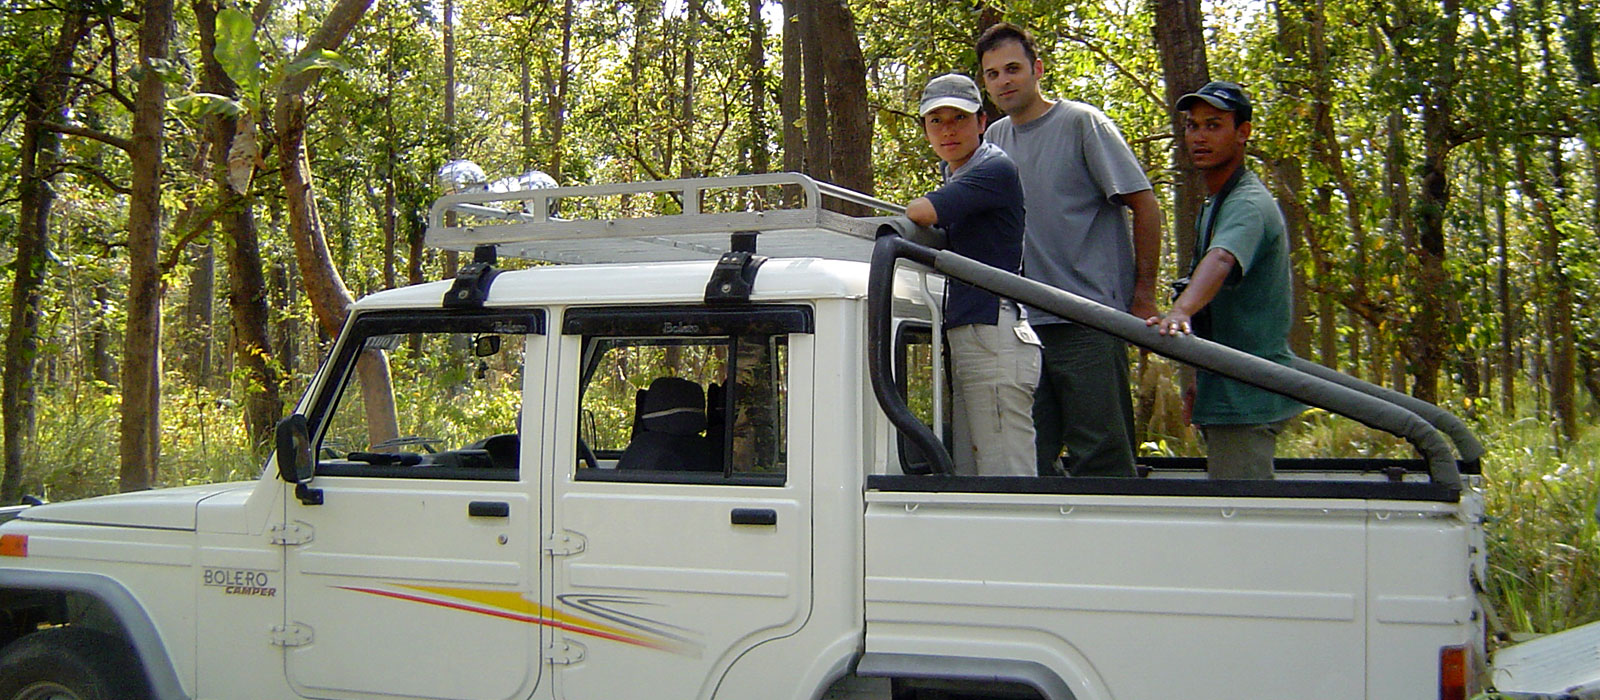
203 104
74 454
237 50
1544 550
321 59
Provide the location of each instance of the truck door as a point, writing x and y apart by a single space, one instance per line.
410 567
681 535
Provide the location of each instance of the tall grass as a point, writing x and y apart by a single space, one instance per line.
74 451
1544 556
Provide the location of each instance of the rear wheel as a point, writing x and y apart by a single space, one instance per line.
67 663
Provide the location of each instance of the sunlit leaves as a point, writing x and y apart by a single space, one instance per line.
237 50
204 104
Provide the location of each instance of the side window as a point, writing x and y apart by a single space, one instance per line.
914 376
702 399
427 396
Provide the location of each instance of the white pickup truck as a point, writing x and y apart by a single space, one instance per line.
698 463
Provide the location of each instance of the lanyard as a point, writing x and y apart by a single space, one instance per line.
1216 209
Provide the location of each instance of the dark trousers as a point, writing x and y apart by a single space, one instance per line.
1083 403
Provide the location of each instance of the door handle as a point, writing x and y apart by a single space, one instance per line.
489 509
754 516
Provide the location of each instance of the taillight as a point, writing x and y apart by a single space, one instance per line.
13 545
1453 672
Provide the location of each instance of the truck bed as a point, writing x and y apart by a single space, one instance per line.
1228 592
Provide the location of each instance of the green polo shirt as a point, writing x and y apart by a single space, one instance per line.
1253 310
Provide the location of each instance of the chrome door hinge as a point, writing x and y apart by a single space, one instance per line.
290 533
293 634
564 543
564 651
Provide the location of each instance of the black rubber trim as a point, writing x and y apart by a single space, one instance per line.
1278 488
688 321
1311 464
641 476
363 469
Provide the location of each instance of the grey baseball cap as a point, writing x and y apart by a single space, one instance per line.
1223 95
951 90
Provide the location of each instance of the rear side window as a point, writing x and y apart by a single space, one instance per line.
922 390
685 395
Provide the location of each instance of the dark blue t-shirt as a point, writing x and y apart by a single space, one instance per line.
980 208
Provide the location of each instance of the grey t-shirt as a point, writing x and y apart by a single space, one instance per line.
1074 167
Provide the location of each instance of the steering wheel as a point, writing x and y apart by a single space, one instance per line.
586 455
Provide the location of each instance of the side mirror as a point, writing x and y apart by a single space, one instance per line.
296 463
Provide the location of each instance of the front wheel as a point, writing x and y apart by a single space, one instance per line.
68 663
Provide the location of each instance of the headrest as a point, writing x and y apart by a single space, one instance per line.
675 406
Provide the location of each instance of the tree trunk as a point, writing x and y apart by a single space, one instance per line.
850 117
247 286
1563 350
1288 180
330 299
794 136
198 314
691 36
140 444
102 364
819 149
287 290
1433 285
558 101
46 100
452 260
1508 322
1180 39
1398 192
756 58
527 159
1322 267
387 217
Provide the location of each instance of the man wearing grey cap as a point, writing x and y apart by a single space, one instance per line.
994 356
1238 293
1081 181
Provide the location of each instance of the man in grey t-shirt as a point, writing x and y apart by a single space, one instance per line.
1077 176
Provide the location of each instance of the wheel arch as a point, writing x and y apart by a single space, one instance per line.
132 621
1033 674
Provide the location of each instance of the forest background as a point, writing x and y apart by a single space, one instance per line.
193 192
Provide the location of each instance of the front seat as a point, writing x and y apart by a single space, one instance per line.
670 419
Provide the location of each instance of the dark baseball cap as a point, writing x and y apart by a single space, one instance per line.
951 90
1223 95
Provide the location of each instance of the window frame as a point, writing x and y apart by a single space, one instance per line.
517 321
594 323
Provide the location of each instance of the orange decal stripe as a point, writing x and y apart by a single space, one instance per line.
538 619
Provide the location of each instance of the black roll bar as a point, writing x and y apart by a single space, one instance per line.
1373 409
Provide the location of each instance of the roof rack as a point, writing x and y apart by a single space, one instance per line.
668 220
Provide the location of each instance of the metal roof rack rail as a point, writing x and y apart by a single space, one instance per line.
668 220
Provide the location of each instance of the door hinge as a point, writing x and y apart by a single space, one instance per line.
293 634
290 533
565 543
564 651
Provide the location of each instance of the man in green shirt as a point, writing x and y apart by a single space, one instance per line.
1239 291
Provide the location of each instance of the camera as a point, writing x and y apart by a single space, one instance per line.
1178 285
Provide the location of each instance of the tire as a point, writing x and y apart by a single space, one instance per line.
67 663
